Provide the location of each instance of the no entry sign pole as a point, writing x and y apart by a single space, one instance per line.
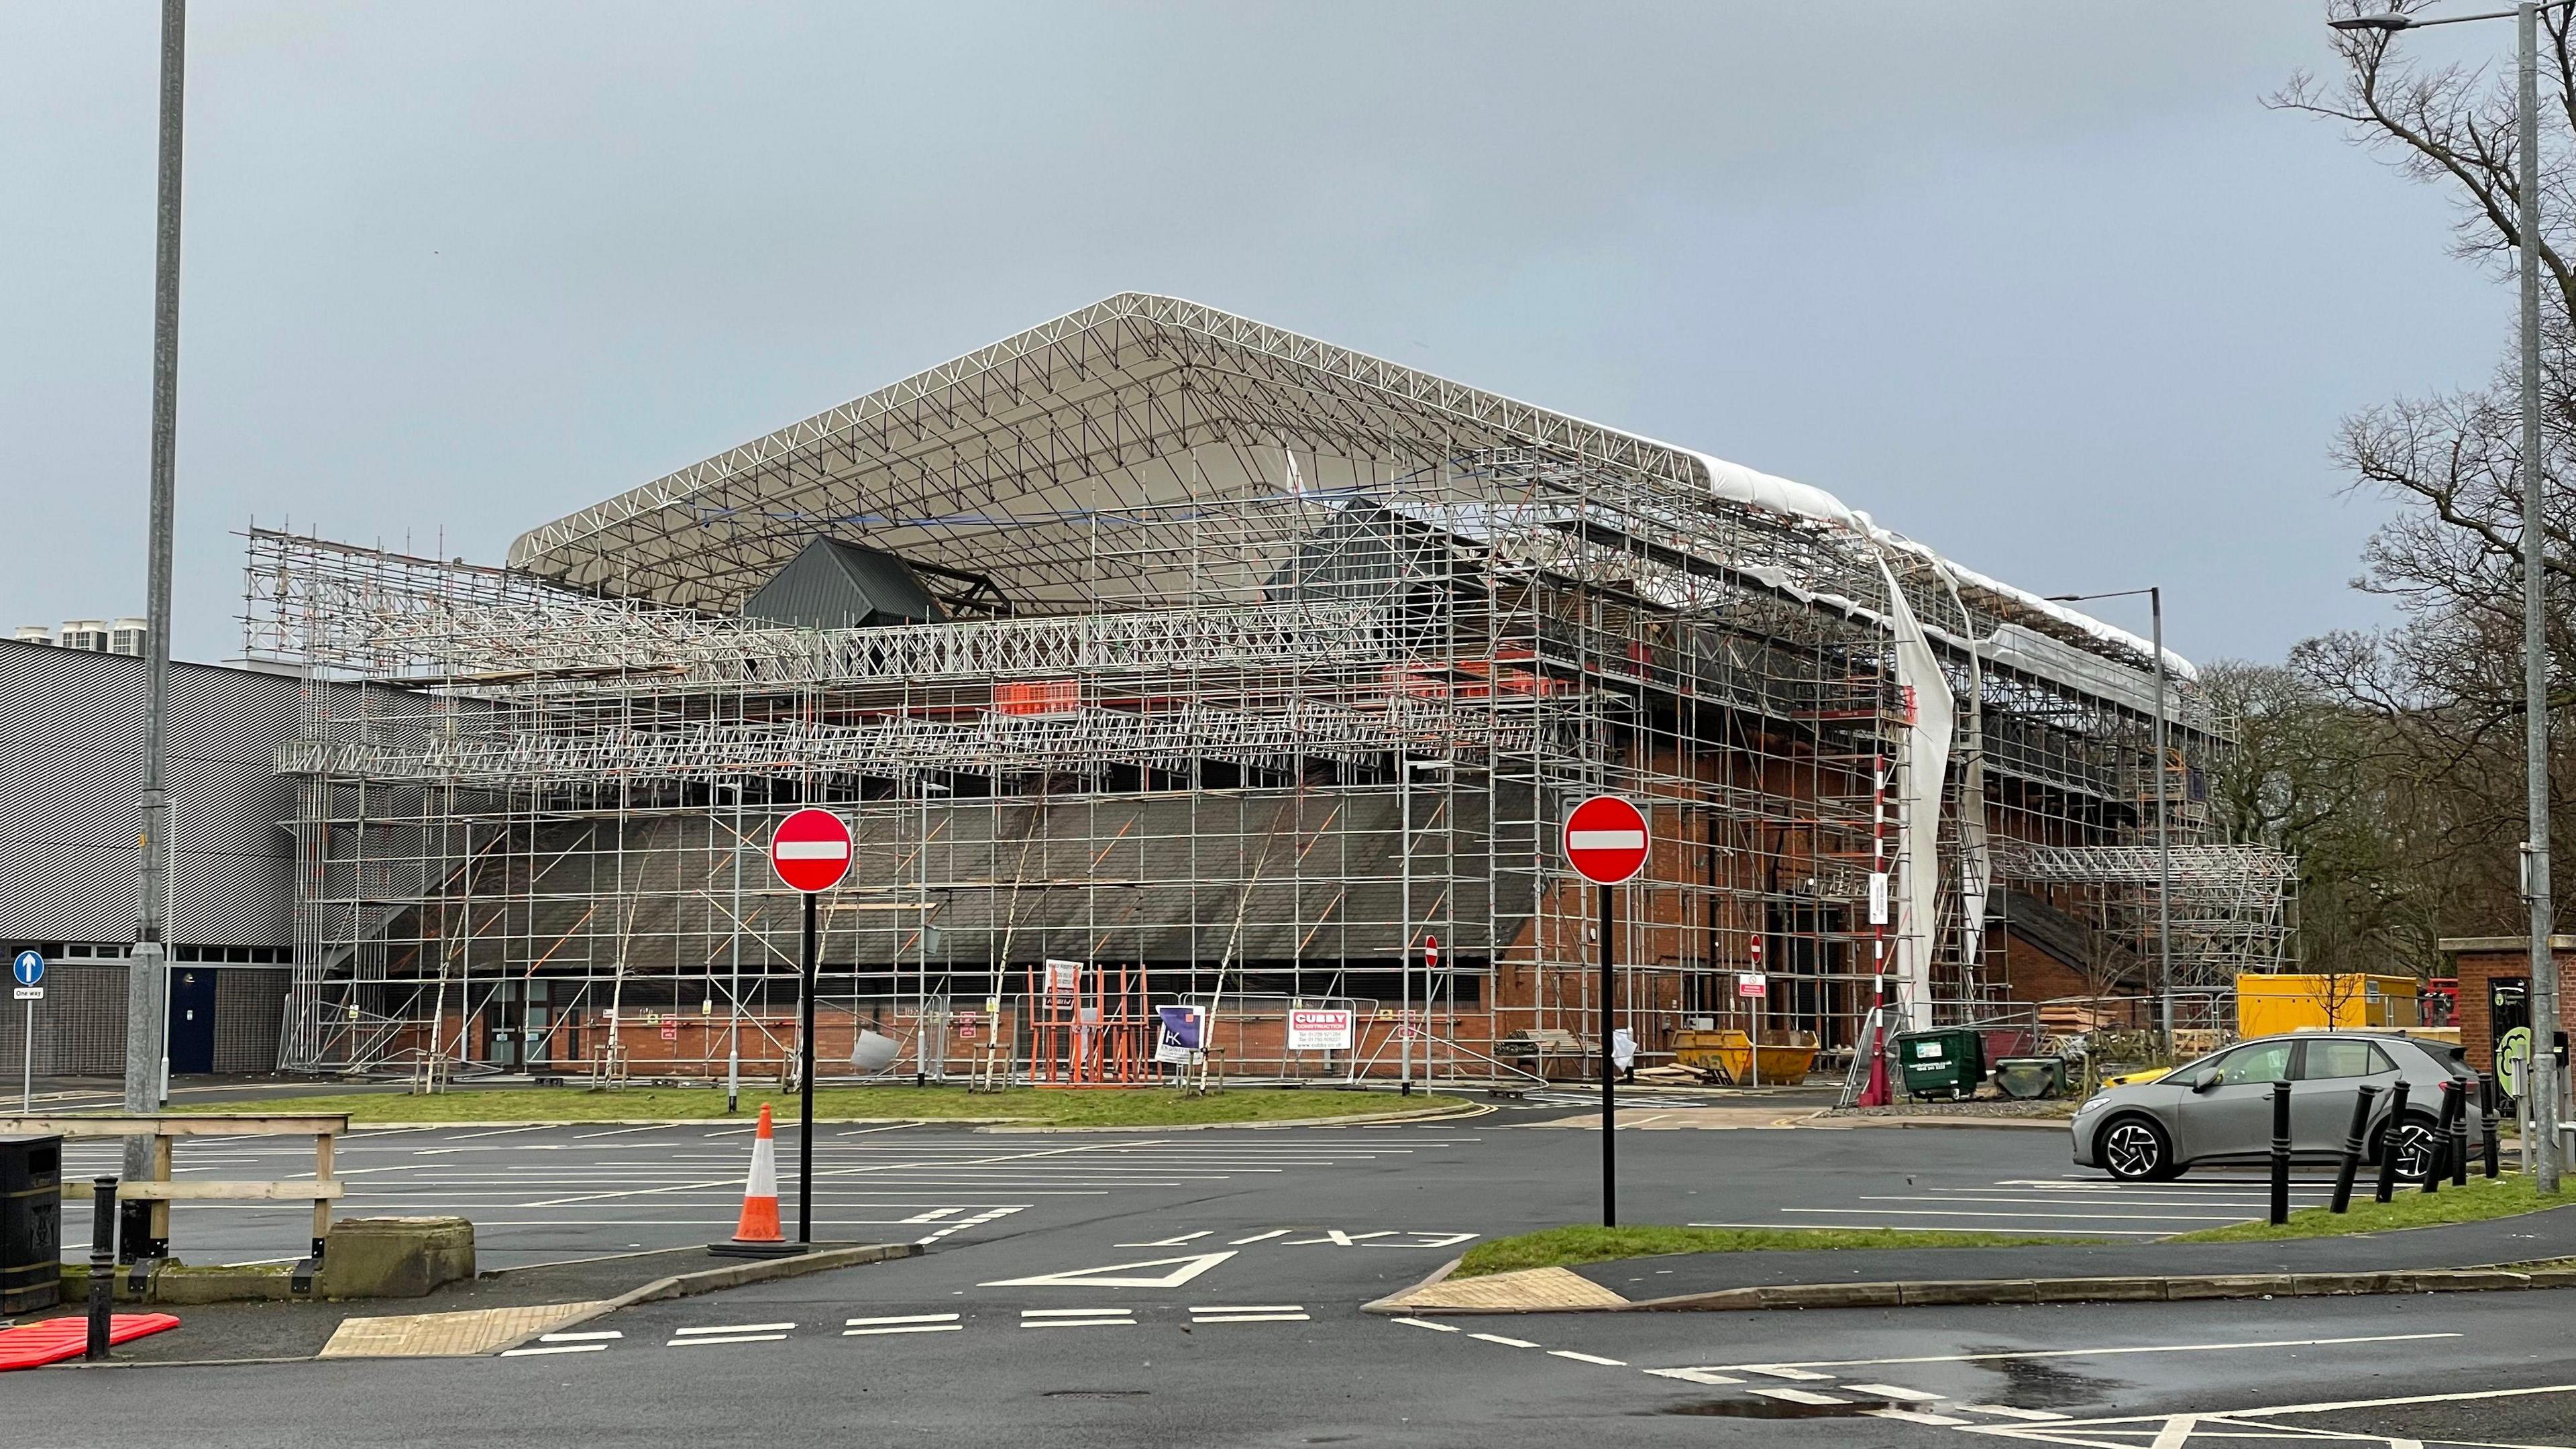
805 1081
1609 1071
1607 844
810 852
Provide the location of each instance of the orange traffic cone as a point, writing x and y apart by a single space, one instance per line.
756 1234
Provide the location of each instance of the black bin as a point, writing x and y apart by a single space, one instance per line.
31 1223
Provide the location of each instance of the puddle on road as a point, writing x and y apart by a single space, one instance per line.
1769 1409
2046 1384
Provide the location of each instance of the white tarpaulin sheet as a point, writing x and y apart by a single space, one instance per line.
1923 764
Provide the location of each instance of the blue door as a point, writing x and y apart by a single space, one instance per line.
192 1020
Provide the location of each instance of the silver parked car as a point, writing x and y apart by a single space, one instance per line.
2219 1109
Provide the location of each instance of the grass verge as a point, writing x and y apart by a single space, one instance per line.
1142 1107
1567 1247
2507 1196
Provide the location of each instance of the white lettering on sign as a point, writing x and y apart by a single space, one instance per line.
813 850
1752 983
1319 1030
1606 839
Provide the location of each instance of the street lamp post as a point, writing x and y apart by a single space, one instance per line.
2540 1153
147 995
2164 825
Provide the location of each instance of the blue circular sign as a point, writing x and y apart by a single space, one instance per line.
29 968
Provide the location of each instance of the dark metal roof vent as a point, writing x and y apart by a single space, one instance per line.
837 585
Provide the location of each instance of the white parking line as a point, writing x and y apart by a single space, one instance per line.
737 1338
1505 1342
1694 1375
1917 1416
1896 1392
581 1337
901 1323
1427 1323
736 1328
553 1348
1797 1396
1587 1358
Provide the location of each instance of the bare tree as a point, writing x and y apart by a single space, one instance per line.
2415 838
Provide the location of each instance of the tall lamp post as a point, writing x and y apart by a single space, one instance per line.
147 971
2540 1155
2164 825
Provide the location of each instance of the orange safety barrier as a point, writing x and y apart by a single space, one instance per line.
1089 1026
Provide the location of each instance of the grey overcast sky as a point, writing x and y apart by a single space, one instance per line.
2036 281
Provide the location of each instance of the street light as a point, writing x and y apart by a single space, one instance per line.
2164 841
2541 1084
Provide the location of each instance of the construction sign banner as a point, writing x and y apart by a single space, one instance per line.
1179 1042
1319 1030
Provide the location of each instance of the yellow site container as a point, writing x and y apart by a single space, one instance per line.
2270 1005
1786 1059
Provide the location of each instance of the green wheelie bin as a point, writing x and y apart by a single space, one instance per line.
1948 1062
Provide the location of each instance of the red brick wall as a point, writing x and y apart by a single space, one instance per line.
2476 968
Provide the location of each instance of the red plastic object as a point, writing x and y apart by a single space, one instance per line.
35 1345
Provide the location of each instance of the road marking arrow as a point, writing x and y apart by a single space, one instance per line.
1121 1275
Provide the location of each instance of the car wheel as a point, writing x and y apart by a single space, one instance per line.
2136 1149
2415 1141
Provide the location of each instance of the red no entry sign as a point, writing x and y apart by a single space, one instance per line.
811 851
1605 840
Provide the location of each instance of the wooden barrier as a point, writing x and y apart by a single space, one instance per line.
322 1190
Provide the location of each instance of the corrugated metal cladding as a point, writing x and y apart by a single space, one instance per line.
250 1011
80 1025
71 860
71 777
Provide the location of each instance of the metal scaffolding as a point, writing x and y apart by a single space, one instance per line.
1259 667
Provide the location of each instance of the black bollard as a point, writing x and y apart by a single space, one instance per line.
2280 1152
2352 1140
2388 1142
2440 1165
102 1264
2487 1134
2459 1134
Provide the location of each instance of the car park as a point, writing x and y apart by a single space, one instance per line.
2218 1109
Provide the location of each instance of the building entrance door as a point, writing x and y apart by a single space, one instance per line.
514 1025
192 1020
